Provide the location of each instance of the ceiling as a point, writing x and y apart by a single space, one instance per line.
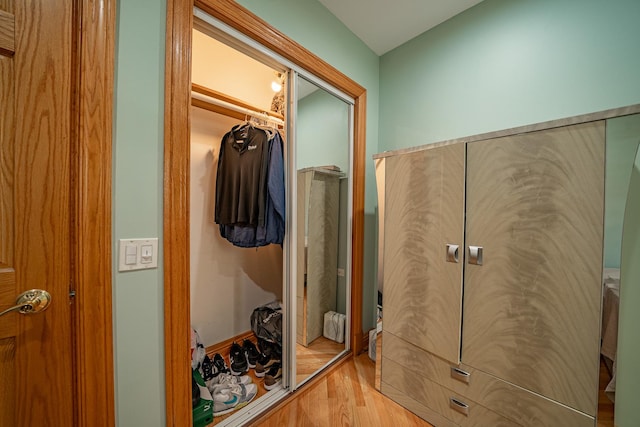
385 24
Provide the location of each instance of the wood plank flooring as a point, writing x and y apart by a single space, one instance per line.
345 397
308 361
319 353
605 406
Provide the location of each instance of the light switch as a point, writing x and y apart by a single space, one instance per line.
131 254
138 254
146 254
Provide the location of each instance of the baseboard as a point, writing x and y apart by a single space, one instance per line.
224 347
365 342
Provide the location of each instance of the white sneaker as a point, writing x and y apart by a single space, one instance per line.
224 380
243 392
223 403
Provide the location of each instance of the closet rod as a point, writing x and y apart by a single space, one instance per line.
217 102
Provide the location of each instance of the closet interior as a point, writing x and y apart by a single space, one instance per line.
279 302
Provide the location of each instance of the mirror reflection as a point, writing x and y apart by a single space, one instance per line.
322 159
623 138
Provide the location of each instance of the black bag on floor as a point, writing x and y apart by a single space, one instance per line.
266 322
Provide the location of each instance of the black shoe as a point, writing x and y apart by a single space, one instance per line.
273 378
238 360
219 364
207 369
251 352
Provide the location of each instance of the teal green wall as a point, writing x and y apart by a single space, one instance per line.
623 137
137 211
628 374
314 27
507 63
138 147
322 131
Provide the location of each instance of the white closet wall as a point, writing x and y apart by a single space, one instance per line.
227 282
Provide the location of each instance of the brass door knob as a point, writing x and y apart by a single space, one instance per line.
30 302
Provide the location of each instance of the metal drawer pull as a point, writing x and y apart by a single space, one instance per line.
458 406
460 375
452 253
475 255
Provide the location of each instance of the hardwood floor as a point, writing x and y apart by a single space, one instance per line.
308 360
605 406
315 356
345 397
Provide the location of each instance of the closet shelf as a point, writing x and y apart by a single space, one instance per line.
209 99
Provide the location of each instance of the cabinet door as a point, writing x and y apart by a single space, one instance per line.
535 204
424 212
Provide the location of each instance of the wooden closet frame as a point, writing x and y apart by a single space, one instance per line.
177 128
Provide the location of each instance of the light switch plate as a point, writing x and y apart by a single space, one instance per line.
146 254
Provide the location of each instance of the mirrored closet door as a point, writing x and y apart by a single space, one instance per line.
270 280
323 215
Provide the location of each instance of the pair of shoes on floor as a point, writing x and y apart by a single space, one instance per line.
243 357
271 355
229 391
232 396
211 369
273 378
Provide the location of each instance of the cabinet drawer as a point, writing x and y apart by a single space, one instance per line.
402 385
520 405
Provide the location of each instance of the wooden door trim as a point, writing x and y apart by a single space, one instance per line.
176 178
91 190
7 33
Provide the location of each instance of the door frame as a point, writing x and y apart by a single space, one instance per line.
93 71
176 178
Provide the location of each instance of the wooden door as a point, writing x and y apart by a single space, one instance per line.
535 203
36 386
424 212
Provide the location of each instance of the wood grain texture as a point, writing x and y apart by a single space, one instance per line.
311 358
7 385
43 117
317 250
7 132
229 12
176 259
424 204
357 226
514 403
345 397
8 322
437 398
531 311
7 33
408 402
322 251
231 100
92 177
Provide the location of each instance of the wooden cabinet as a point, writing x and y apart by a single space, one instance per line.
508 334
425 212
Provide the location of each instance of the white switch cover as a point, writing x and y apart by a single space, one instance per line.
138 254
